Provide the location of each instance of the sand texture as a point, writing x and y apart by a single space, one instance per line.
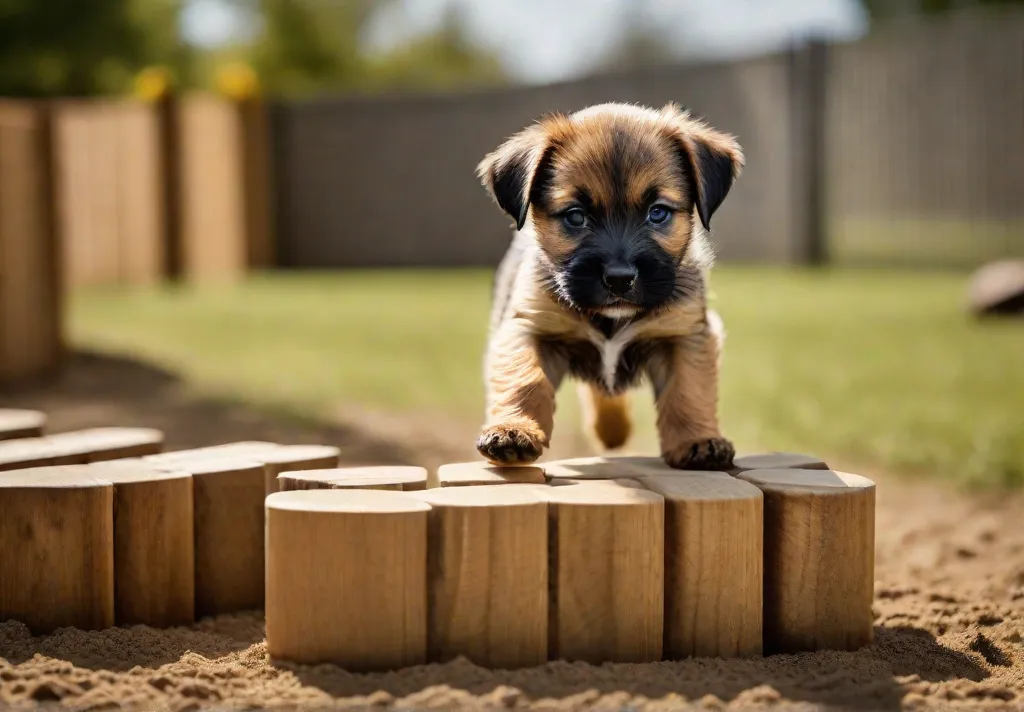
949 603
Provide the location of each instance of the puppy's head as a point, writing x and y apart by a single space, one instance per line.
611 194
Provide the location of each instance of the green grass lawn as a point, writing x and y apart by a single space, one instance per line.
879 367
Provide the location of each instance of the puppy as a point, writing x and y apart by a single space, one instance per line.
606 279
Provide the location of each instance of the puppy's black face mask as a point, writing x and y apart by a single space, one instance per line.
620 263
613 197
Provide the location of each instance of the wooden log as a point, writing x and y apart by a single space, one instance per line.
777 461
57 549
465 474
100 444
79 447
589 468
396 478
819 549
608 566
347 578
294 458
713 564
154 547
21 423
26 453
488 591
31 297
235 449
229 534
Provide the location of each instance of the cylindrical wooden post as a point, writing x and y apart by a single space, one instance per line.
819 559
21 423
229 534
778 461
608 566
347 578
384 477
713 564
589 468
466 474
100 444
294 458
56 549
488 563
25 453
154 547
236 449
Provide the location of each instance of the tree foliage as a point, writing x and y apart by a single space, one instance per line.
83 47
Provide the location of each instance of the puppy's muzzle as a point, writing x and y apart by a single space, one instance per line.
619 279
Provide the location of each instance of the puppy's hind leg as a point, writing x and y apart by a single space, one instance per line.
606 417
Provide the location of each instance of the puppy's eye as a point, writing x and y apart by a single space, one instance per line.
575 218
658 215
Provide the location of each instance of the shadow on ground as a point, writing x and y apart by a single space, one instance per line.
866 679
103 390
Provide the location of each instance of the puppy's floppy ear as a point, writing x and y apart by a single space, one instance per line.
508 172
712 160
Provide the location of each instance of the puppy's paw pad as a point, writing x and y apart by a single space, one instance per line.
709 454
511 443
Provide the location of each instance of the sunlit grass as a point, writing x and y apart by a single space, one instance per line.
880 367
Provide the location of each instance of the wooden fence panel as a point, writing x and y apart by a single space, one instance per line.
213 239
112 210
30 293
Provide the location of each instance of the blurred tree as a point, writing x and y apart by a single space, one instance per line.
640 43
84 47
308 45
442 59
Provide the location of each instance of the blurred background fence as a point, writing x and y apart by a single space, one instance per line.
904 147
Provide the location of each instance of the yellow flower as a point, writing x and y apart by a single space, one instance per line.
152 83
237 81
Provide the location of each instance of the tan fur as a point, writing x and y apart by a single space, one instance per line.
608 418
520 392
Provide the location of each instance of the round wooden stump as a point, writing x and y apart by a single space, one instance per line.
488 563
57 549
467 474
99 444
607 573
588 468
347 578
778 461
235 449
21 423
154 548
293 458
397 478
229 534
819 559
713 564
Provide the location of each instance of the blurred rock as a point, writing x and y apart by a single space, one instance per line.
997 288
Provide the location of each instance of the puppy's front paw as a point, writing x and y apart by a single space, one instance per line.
708 454
513 443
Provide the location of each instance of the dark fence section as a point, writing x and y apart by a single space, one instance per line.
907 146
925 143
382 182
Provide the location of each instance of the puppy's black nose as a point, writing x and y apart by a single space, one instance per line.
619 279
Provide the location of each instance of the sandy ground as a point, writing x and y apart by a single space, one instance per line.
949 604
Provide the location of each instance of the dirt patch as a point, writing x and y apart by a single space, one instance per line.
949 606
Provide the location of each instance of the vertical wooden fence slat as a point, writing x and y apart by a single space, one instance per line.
30 291
142 242
256 177
213 210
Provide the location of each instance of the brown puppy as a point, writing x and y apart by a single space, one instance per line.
605 280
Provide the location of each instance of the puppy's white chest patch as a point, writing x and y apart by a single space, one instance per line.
611 353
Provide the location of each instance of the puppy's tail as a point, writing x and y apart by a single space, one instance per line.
606 417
